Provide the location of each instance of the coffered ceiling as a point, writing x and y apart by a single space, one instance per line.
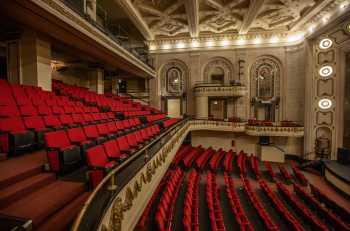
193 18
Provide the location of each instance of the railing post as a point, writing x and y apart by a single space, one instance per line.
113 183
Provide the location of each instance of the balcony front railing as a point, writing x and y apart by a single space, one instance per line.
116 32
103 195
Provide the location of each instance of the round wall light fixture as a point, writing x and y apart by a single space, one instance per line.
325 43
326 71
325 104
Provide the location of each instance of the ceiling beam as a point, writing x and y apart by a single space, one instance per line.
253 11
135 16
316 9
192 10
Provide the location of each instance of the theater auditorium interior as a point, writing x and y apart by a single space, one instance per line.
174 115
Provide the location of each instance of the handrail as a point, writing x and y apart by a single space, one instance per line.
109 180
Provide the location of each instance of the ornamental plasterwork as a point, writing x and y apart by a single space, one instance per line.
174 75
218 62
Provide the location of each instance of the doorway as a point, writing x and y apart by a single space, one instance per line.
217 108
174 107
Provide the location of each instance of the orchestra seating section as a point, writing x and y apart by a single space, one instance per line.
208 189
49 136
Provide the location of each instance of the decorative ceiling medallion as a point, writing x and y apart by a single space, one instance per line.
347 28
326 71
324 104
325 43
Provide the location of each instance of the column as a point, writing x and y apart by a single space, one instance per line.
202 107
35 61
96 82
13 61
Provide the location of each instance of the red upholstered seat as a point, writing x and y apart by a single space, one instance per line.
9 111
52 121
112 150
97 158
66 120
44 110
57 110
34 122
123 145
78 119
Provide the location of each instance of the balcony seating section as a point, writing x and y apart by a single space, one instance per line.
254 165
166 206
213 202
340 211
327 215
203 159
191 203
279 206
270 170
298 173
235 204
192 156
215 159
228 161
316 224
285 173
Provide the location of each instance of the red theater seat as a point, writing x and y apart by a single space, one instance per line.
36 124
112 151
44 110
92 134
77 137
28 110
66 120
9 111
14 137
124 146
52 121
63 157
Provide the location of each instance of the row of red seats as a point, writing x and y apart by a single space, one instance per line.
42 110
128 114
104 157
228 161
146 213
202 160
167 123
280 206
165 210
216 158
180 154
327 215
254 165
152 118
241 162
212 196
192 156
340 211
263 214
270 170
191 203
298 173
65 147
302 209
285 173
235 205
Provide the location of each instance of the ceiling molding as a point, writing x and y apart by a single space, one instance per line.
192 10
255 7
309 14
136 18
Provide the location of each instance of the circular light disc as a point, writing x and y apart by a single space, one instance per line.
325 104
326 71
325 43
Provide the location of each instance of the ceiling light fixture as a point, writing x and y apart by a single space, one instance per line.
241 41
325 71
180 45
257 41
225 42
325 104
344 5
166 46
210 43
195 44
325 43
275 39
325 18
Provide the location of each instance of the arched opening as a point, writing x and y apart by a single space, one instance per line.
217 75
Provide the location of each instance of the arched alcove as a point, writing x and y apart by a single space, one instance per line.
218 70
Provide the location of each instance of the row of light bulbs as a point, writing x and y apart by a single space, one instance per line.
226 42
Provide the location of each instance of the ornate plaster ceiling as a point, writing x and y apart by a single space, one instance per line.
174 18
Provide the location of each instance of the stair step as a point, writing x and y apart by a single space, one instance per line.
23 188
64 217
44 202
19 168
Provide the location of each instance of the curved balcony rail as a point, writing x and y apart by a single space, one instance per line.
104 196
217 125
274 131
213 89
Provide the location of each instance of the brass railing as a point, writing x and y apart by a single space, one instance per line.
102 196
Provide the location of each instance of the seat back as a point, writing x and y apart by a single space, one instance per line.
96 156
91 131
76 135
52 121
111 149
12 125
9 111
28 110
34 122
123 143
102 129
57 139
